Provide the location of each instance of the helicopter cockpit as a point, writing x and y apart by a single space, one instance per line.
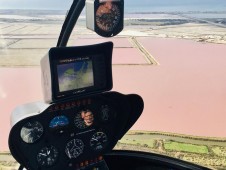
81 120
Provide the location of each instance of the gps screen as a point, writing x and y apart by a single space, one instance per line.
75 75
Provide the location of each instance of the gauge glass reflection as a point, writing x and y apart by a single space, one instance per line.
47 156
74 148
31 132
108 16
84 119
98 141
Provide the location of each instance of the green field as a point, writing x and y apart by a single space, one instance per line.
184 147
208 152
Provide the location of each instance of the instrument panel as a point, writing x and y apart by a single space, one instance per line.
72 134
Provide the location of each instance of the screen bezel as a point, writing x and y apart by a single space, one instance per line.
101 57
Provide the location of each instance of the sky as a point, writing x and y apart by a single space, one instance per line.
65 4
35 4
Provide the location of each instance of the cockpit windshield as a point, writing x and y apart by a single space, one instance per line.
171 53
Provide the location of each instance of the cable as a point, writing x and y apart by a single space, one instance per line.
70 22
68 15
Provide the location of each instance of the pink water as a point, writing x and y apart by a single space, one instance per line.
185 94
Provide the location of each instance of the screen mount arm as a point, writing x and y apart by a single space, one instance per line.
70 21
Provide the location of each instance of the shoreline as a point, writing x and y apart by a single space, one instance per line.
160 24
204 138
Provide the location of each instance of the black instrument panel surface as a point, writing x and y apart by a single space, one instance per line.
73 133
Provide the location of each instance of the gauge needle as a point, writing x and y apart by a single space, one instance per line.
42 154
68 153
73 148
95 139
26 136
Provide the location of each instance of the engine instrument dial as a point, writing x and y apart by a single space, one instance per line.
98 141
47 156
31 132
74 148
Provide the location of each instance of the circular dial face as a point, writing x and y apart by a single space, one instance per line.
59 121
98 141
31 132
84 119
107 16
74 148
47 156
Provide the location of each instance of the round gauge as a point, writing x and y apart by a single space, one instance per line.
84 119
74 148
59 121
108 16
98 141
47 156
31 132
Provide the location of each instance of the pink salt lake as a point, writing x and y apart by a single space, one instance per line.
185 93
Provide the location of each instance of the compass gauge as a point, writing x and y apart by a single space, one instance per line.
105 17
108 16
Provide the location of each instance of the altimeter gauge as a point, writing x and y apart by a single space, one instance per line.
47 156
31 132
98 141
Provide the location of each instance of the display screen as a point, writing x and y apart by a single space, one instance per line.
75 74
71 72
